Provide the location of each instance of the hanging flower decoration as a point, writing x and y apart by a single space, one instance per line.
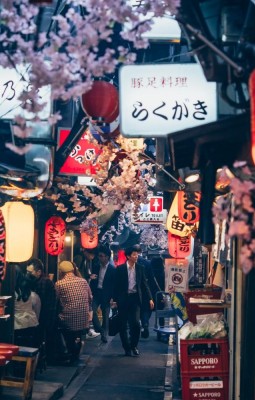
122 182
154 236
89 233
238 210
79 44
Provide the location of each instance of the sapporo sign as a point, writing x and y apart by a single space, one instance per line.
157 100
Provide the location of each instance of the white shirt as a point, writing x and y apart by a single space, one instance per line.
24 315
101 276
131 279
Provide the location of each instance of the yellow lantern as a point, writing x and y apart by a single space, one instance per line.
19 226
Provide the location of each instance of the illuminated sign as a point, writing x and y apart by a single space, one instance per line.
151 213
157 100
12 83
82 159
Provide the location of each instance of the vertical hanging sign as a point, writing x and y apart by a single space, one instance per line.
252 97
2 247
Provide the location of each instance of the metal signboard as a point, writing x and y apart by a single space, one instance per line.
151 213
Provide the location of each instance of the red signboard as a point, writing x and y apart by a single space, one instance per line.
81 160
156 204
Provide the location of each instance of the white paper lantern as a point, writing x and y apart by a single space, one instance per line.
19 226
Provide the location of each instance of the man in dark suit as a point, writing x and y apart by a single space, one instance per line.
102 285
131 289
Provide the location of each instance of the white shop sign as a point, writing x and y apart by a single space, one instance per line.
178 271
12 83
151 213
157 100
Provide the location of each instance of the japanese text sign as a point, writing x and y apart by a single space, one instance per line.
151 213
81 160
177 276
12 83
174 223
157 100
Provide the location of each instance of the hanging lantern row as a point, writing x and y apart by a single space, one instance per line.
55 232
89 234
2 247
19 231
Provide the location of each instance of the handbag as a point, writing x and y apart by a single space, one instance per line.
113 323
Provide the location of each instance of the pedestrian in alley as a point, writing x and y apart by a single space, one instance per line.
130 289
86 260
146 311
102 286
45 289
74 300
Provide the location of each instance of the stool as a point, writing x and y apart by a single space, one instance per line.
29 355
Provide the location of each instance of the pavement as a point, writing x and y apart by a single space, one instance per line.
103 372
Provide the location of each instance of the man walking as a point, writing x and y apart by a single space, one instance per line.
102 285
131 288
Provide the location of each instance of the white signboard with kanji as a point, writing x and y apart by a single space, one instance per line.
157 100
12 83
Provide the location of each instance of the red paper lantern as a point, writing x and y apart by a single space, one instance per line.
188 206
2 247
89 237
179 247
121 258
55 231
101 102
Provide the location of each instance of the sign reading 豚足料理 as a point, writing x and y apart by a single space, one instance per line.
157 100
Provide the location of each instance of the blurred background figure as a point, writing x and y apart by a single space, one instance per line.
25 317
102 286
45 289
85 261
158 269
146 311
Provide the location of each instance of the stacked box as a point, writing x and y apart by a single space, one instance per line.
204 368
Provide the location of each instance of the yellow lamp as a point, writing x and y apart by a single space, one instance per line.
19 227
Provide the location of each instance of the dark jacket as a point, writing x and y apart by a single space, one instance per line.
108 282
121 284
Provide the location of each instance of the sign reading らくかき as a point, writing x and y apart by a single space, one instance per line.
157 100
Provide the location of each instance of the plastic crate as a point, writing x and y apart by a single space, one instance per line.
204 356
210 388
193 309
